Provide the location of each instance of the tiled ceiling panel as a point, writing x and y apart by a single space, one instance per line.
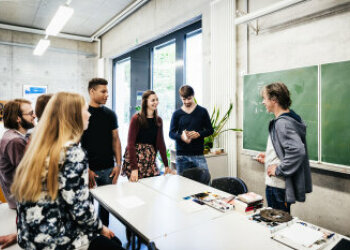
88 17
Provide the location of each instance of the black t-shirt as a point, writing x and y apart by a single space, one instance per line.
148 135
97 140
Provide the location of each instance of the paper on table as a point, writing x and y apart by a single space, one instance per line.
188 206
131 202
300 234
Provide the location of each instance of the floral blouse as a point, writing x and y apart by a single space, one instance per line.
69 221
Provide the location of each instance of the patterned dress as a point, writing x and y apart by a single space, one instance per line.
143 145
146 161
69 221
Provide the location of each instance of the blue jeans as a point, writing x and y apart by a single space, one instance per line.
276 198
103 179
184 162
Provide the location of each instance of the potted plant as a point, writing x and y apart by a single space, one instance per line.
218 125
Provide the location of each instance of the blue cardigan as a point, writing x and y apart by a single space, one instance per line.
198 121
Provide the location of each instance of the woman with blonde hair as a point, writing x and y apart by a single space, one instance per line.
51 183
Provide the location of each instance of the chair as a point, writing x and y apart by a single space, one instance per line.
151 246
197 174
2 197
232 185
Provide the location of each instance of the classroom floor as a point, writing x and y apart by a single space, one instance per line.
119 231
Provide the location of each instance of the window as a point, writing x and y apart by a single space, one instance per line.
164 65
163 82
122 97
193 63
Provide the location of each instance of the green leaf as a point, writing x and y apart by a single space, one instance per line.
218 124
212 117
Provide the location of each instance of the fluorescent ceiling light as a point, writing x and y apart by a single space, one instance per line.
41 47
59 20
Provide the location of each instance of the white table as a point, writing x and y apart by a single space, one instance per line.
158 216
161 220
232 231
177 187
8 222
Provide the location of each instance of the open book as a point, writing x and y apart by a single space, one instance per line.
216 201
305 236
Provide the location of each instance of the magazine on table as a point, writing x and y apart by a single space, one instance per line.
306 236
223 204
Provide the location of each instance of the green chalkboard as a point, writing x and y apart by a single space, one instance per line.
302 83
335 114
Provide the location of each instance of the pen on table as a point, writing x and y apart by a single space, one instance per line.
231 199
330 236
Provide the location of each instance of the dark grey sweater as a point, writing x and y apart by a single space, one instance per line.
288 136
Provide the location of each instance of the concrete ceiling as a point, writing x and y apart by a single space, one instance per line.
88 17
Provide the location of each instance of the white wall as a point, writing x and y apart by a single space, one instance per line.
155 18
310 42
66 66
159 17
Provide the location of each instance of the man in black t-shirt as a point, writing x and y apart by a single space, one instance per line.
101 141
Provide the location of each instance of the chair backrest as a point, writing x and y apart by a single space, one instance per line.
232 185
2 197
197 174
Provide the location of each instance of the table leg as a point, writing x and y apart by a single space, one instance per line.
133 240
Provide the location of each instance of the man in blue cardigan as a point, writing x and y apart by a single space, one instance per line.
287 169
189 126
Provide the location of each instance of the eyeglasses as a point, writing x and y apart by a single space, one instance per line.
31 113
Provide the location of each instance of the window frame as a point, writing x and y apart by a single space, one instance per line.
144 53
